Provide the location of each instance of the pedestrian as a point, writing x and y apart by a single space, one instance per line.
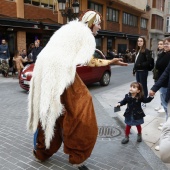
161 82
29 51
24 54
36 50
134 114
18 62
53 116
128 56
142 63
165 142
133 55
161 63
4 58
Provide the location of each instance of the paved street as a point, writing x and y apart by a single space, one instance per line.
109 154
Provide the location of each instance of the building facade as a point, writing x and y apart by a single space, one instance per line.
167 18
23 21
156 23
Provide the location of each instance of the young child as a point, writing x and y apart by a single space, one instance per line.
134 113
18 62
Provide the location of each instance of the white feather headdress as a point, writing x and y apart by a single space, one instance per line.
54 71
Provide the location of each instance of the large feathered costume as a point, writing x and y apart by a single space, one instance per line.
54 71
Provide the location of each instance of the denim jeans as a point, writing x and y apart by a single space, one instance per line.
141 77
163 92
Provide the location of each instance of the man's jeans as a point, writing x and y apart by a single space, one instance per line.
163 92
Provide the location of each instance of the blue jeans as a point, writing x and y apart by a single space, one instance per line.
163 92
141 77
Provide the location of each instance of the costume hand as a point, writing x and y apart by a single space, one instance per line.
118 61
151 93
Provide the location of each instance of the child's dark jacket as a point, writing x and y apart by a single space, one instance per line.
134 106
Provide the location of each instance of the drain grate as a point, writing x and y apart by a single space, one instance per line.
108 132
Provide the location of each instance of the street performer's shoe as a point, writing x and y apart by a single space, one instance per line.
83 167
80 166
36 157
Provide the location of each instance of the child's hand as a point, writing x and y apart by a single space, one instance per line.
117 105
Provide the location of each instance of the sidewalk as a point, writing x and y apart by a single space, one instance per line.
16 143
152 120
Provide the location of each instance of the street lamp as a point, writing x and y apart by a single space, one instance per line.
71 11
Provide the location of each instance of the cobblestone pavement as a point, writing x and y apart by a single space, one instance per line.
109 154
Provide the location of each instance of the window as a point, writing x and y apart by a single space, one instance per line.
143 23
96 7
130 19
168 8
168 24
159 4
157 22
112 15
42 3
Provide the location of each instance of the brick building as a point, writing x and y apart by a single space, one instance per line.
156 9
22 21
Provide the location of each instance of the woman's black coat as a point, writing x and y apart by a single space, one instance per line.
143 61
164 79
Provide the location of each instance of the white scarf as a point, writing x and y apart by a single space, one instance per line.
54 71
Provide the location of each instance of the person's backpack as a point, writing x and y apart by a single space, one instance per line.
151 61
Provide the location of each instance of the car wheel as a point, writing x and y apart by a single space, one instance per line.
105 80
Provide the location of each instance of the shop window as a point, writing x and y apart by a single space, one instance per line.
109 43
99 43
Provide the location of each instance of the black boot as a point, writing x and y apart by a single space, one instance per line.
125 140
139 138
83 167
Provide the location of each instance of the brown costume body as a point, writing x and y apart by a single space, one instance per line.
77 128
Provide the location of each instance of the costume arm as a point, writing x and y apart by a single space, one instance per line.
165 142
95 62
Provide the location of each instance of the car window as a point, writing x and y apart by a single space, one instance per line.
97 55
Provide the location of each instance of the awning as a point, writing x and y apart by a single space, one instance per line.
110 33
49 26
117 34
20 23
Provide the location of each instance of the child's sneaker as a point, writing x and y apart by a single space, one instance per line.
139 138
125 140
160 127
158 108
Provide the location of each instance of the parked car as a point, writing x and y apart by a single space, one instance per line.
88 74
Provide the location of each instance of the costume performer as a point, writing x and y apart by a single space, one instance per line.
60 105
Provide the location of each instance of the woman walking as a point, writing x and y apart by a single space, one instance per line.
142 63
